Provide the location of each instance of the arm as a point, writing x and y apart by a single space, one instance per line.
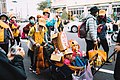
92 28
31 34
45 37
13 69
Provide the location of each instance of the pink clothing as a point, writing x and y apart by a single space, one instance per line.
67 61
75 53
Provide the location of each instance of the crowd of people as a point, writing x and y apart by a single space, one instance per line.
38 33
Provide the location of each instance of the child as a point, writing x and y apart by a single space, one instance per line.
78 55
68 57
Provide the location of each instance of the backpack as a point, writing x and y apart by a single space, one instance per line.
82 32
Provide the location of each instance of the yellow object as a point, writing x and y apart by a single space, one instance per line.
13 26
16 33
1 35
39 37
46 10
4 25
101 54
42 22
58 22
102 12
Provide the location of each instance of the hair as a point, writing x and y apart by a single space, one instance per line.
47 13
100 19
75 49
31 17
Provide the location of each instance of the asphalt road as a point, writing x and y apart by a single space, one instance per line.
106 73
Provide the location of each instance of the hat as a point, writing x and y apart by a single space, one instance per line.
46 10
3 15
42 22
73 43
93 9
102 12
59 10
4 25
39 16
68 51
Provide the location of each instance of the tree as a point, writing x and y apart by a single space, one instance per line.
42 5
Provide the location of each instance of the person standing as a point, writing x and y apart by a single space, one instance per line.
59 23
5 33
12 66
38 37
49 22
91 26
15 29
28 26
117 64
101 31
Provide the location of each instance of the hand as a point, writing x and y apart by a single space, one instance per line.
38 45
19 51
95 42
117 48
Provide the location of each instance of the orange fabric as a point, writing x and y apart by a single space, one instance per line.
101 53
1 35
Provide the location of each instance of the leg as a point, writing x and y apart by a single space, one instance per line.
89 46
18 40
105 46
117 67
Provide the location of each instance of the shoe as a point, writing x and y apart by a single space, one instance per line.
30 68
34 72
108 62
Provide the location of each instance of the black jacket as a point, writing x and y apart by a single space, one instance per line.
11 70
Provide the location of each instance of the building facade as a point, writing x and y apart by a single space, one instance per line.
3 6
81 7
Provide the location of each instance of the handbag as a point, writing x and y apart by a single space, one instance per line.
102 56
86 74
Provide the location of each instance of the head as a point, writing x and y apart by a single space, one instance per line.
102 14
41 24
59 12
68 54
75 46
13 18
46 12
94 11
32 20
3 17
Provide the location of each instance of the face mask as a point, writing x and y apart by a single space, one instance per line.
32 21
102 17
60 14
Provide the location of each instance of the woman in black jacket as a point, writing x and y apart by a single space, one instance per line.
11 67
117 65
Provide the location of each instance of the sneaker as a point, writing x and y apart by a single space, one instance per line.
34 72
30 68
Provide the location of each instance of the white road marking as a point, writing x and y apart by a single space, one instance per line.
106 71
